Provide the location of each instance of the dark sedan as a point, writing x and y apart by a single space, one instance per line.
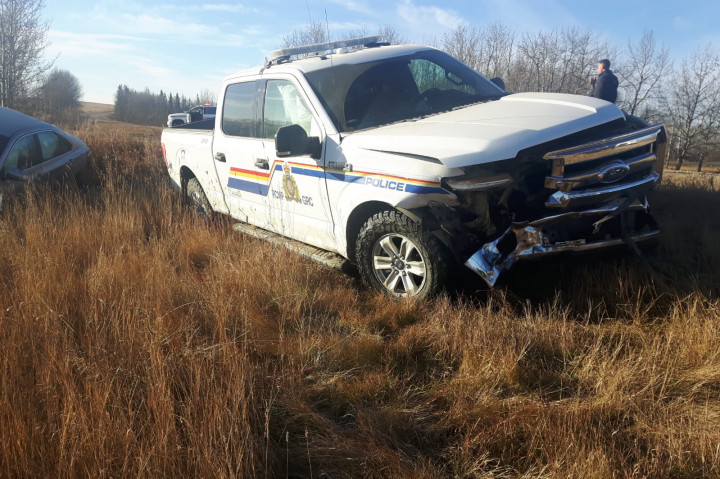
32 150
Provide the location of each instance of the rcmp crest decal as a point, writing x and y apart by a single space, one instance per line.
289 185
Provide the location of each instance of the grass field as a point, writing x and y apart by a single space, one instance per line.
138 341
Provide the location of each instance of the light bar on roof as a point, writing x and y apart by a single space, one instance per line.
318 48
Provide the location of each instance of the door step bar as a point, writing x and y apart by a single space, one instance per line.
317 255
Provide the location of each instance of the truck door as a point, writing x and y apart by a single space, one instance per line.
297 199
239 155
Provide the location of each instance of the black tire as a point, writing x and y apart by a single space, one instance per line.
399 257
195 198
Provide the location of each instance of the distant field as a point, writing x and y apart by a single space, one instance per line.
97 111
139 341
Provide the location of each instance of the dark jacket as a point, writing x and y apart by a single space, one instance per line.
606 87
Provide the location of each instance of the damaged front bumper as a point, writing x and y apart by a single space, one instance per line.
597 206
533 240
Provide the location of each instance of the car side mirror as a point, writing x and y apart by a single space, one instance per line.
291 140
15 174
499 82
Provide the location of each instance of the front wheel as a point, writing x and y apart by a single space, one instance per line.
399 257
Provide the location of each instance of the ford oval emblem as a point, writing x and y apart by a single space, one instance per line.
613 172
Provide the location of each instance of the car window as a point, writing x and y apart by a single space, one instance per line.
210 110
52 145
3 143
24 154
238 116
284 106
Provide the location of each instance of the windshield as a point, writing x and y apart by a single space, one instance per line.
396 89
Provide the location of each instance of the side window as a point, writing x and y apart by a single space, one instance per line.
24 154
284 106
52 145
238 116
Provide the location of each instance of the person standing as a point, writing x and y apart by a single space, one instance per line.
605 85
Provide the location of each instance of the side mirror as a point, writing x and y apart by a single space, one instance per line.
16 174
291 140
499 82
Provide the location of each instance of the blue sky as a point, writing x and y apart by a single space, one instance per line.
186 46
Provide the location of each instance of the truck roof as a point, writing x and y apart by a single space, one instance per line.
337 58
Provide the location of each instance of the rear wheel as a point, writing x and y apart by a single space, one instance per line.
195 197
399 257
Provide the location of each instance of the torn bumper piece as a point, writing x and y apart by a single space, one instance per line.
536 239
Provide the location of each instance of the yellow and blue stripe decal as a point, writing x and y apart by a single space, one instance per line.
257 182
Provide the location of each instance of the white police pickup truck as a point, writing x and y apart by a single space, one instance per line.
411 164
196 113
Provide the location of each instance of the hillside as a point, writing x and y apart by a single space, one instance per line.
97 111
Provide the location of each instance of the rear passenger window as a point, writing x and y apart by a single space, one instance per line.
24 154
52 145
238 116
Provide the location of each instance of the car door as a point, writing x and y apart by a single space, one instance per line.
41 156
196 114
57 156
239 155
297 201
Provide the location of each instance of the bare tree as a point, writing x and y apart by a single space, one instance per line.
488 50
693 101
22 45
208 96
464 45
497 50
557 61
391 35
60 92
641 73
313 32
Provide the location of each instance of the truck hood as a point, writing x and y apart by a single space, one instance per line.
488 132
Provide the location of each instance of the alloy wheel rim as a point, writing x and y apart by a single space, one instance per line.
398 265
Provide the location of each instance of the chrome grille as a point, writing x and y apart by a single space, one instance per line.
606 169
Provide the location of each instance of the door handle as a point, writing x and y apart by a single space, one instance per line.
262 163
339 165
220 157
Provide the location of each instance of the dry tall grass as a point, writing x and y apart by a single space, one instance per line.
137 341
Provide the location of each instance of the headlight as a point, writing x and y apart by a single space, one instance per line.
487 183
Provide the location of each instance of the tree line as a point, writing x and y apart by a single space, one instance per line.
148 108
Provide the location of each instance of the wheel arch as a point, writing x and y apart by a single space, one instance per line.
357 219
186 175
